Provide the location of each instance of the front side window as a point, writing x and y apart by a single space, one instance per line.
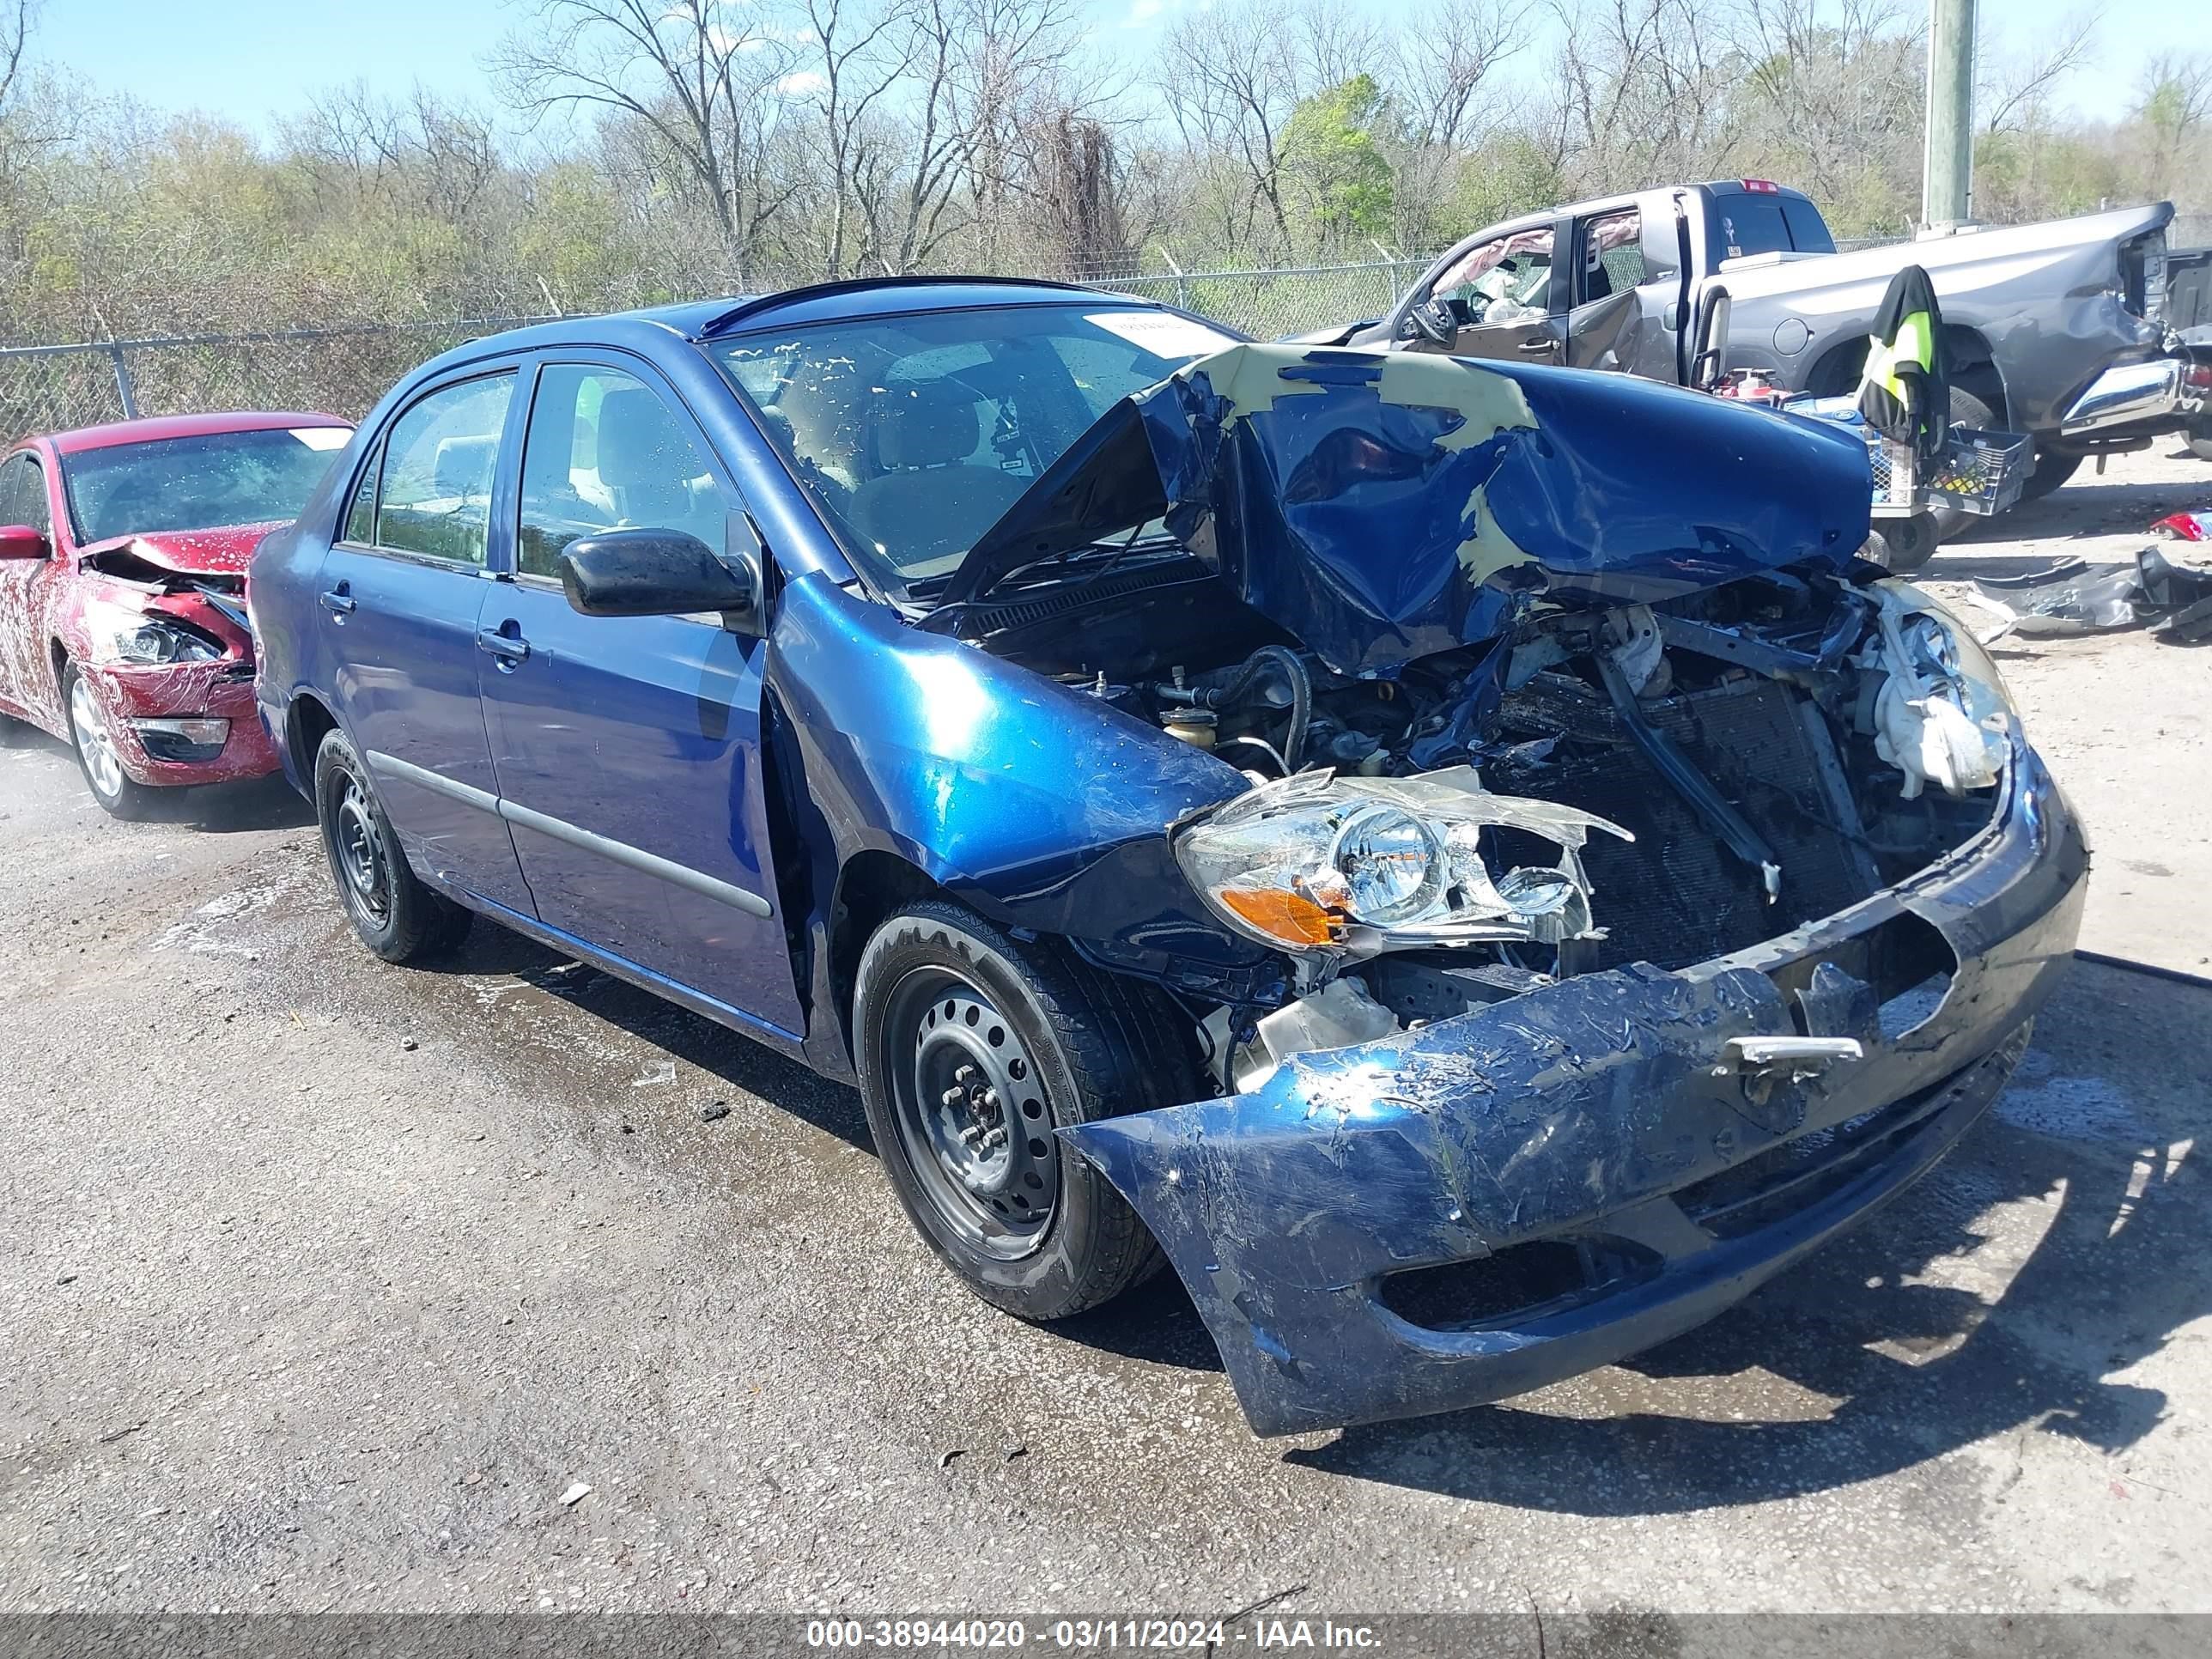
23 493
606 453
914 434
204 482
435 494
1506 280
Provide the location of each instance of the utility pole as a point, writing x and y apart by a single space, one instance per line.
1947 174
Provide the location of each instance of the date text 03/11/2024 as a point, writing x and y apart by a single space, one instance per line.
1086 1634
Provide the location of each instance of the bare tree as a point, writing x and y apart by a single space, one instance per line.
15 21
699 75
2018 84
2176 107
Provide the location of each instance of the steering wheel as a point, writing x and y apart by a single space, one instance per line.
1432 319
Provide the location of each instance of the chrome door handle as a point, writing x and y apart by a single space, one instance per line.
338 601
506 648
1543 345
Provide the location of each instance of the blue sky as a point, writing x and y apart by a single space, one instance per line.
254 60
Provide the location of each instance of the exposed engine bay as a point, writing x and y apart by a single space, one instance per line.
1660 784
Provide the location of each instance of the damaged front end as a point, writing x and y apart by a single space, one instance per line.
1656 889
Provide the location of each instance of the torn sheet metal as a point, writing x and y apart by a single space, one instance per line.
1595 1112
1382 506
2072 596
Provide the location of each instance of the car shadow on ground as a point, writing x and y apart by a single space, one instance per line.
687 1038
1871 1358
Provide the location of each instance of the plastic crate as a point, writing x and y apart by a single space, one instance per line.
1979 472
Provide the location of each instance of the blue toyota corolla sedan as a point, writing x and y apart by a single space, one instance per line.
1462 861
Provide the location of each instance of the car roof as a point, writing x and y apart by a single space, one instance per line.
153 429
821 302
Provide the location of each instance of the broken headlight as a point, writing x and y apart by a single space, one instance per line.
1316 861
146 638
1942 713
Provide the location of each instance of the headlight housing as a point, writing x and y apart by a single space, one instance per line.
1944 715
1315 862
148 638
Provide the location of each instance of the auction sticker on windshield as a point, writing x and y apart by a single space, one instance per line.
1161 333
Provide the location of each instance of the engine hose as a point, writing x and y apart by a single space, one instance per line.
1227 693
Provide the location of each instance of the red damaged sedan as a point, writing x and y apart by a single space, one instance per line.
123 622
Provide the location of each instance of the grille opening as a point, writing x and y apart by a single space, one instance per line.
1905 960
1522 1282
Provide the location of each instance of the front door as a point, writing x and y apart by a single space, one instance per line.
1500 296
399 594
628 748
27 686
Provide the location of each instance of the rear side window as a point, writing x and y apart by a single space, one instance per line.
1745 224
434 496
1613 256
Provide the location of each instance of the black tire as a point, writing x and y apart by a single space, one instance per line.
396 915
2051 470
1966 410
1031 1227
119 796
2200 444
1907 544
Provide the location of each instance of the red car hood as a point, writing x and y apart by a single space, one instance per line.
220 552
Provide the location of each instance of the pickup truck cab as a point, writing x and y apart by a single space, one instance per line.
2054 329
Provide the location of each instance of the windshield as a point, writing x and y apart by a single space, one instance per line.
200 482
914 434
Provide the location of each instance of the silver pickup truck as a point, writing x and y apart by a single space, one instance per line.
2054 329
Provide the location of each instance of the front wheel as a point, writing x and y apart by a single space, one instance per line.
2051 471
972 1051
119 795
396 915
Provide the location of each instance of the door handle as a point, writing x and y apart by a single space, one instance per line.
339 601
505 648
1543 343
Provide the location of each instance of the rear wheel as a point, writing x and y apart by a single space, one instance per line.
2051 470
119 795
396 913
972 1051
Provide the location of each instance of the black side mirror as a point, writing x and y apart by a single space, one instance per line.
656 572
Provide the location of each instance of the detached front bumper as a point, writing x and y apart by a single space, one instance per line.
1585 1151
2140 399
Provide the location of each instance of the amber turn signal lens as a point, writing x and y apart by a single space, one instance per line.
1290 917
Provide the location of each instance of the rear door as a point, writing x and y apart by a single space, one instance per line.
628 748
1606 306
397 601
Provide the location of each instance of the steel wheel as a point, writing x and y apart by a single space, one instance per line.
101 763
362 856
970 1112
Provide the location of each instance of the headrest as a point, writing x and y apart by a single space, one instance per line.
463 466
931 425
640 443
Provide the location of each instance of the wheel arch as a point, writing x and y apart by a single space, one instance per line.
307 721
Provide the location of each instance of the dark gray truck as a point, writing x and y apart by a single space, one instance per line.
2055 330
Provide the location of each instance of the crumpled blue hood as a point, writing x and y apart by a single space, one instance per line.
1384 506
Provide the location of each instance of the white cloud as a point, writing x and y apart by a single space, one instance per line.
1142 12
801 83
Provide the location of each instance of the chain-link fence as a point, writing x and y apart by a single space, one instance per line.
343 371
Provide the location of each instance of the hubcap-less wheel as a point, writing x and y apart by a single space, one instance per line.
102 764
970 1111
362 855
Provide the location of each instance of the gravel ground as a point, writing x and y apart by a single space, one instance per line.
328 1281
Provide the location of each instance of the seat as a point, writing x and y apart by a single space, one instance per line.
930 502
648 465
